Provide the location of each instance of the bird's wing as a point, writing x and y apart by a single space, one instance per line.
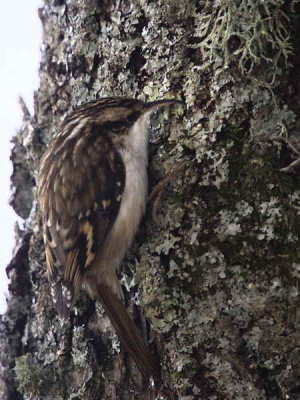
80 189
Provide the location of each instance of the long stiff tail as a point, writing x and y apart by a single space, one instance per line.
128 333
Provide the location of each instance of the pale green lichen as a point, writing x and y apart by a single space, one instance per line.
33 379
247 32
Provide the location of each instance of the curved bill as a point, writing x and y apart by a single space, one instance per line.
154 105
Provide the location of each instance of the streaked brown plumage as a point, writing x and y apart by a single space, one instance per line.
92 194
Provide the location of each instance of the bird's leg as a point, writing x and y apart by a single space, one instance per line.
156 193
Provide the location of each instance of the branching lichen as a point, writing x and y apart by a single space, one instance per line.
247 32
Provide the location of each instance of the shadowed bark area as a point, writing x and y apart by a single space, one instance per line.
215 266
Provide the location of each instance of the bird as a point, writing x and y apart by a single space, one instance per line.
92 193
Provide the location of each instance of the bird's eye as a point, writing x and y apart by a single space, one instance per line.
115 125
133 116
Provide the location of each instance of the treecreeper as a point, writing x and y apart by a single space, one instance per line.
92 193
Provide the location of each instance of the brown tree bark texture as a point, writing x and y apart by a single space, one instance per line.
216 270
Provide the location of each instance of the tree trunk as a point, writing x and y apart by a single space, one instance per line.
215 267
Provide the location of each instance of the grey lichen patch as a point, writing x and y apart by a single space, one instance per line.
248 33
33 379
272 214
215 171
80 351
270 119
230 369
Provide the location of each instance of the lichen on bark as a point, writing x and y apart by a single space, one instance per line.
218 267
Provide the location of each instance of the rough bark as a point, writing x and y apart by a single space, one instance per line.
218 267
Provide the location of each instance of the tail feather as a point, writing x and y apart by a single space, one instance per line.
63 297
128 333
60 303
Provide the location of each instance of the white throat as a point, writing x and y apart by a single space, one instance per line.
138 137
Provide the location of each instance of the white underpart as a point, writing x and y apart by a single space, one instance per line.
134 197
135 157
133 204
